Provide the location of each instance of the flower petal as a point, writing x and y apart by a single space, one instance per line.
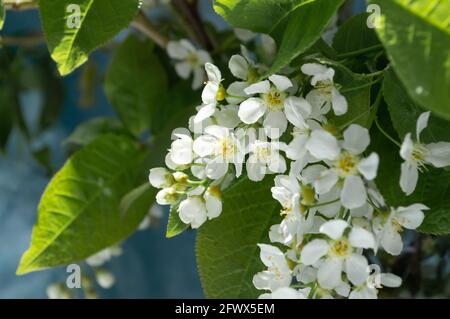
354 193
323 145
334 228
361 238
356 139
251 110
258 88
356 267
325 182
297 109
183 69
338 102
213 73
408 178
313 251
275 124
205 112
438 154
281 82
239 67
204 145
329 275
368 167
422 123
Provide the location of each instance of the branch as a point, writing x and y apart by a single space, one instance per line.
143 24
26 41
20 4
187 9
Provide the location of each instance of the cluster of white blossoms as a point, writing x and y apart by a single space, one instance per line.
333 214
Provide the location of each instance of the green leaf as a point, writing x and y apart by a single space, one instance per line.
416 34
256 15
404 113
88 131
227 251
354 35
295 24
302 28
2 14
175 226
99 22
135 84
79 211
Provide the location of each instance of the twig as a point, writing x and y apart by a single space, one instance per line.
26 41
189 13
143 24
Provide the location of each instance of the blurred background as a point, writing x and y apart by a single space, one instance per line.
49 109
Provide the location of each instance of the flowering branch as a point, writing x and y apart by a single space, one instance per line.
144 25
187 10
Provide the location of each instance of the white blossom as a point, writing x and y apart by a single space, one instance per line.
417 155
189 60
325 95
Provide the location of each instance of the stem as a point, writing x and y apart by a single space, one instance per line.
371 49
27 41
143 24
361 86
188 12
325 204
386 134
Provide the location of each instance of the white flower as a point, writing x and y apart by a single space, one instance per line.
388 228
103 256
369 290
196 209
181 150
346 163
417 155
325 95
160 177
221 146
212 93
105 278
58 291
278 274
287 192
190 60
264 159
270 104
287 293
167 196
339 253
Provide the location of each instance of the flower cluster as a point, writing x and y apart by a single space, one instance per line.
333 214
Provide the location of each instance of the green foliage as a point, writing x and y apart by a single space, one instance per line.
79 212
434 184
2 14
416 35
295 25
135 84
256 15
227 251
100 21
404 113
302 28
88 131
175 226
354 35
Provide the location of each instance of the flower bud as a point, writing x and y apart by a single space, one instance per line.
160 177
